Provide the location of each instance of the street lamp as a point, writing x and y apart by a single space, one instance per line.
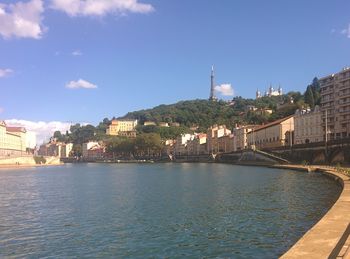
326 131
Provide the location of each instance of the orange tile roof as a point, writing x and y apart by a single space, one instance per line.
271 124
15 129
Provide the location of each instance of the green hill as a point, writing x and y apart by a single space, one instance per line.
204 113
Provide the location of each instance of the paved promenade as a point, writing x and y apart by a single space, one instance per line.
329 238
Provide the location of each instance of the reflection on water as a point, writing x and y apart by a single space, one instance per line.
158 210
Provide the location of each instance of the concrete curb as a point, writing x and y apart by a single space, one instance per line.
328 238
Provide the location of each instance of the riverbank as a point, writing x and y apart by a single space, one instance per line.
11 166
329 238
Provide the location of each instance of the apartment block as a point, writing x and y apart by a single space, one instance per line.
335 104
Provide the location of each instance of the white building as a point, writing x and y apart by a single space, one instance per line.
12 140
241 138
270 92
31 139
214 142
181 144
88 146
308 126
66 149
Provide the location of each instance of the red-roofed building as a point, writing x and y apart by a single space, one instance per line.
12 140
274 134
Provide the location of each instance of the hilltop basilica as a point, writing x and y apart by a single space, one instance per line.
270 92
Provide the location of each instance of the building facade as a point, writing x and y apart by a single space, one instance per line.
12 140
181 145
89 146
198 146
307 126
214 144
66 150
225 144
275 134
125 128
241 137
335 104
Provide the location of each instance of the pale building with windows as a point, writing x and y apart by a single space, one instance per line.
240 137
66 149
181 145
88 146
125 128
12 140
198 145
308 126
275 134
335 101
214 142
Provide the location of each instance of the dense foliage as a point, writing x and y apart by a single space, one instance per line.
192 115
144 145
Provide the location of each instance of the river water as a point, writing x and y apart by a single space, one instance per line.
158 210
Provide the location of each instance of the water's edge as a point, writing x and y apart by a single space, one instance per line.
328 236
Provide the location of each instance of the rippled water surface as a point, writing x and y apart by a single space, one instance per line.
158 210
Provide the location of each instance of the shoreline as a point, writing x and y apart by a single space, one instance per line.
13 166
329 237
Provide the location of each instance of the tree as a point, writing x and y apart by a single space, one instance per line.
57 134
77 150
316 91
309 97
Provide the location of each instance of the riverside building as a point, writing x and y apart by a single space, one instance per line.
181 145
198 145
307 126
126 128
216 141
275 134
335 104
12 140
241 137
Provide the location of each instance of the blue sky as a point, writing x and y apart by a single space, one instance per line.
135 54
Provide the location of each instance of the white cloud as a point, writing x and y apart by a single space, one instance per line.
5 72
100 7
80 84
42 130
77 53
22 19
224 89
346 31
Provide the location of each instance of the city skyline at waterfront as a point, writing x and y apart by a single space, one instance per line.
155 52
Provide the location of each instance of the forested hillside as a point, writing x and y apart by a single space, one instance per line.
204 113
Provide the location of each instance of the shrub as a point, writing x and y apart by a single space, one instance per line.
39 160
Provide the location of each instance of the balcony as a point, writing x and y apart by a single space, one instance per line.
342 78
326 91
323 101
343 87
343 95
344 111
342 104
